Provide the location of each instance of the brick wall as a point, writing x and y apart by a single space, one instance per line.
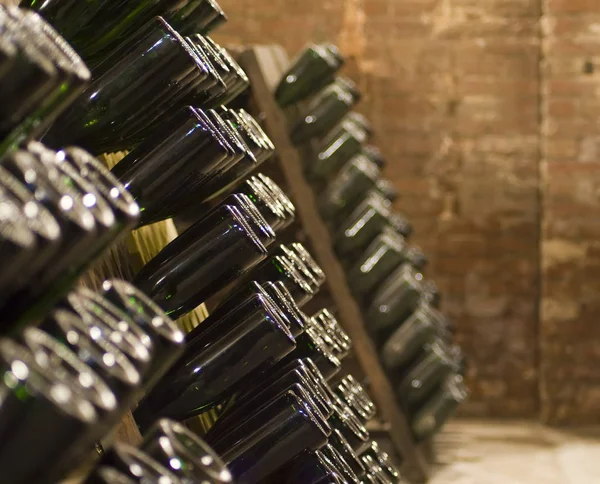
570 309
457 91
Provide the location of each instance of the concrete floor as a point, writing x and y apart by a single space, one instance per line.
476 452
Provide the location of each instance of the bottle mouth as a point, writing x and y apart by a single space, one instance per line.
286 302
263 195
39 218
257 128
46 181
23 368
279 195
107 183
293 274
250 234
106 355
341 464
309 260
69 369
12 226
300 266
123 332
192 447
142 466
137 305
254 216
199 44
275 317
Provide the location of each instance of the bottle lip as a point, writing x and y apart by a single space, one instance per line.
124 332
199 452
279 195
248 118
13 227
276 320
112 360
133 456
299 394
208 124
293 273
340 462
288 304
349 418
199 44
67 57
266 196
107 183
248 231
309 260
241 126
40 378
136 302
301 266
348 450
247 206
48 351
46 176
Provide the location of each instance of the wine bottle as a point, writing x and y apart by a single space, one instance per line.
394 301
202 260
426 376
217 362
273 212
344 142
271 438
378 261
313 69
310 345
166 339
36 400
438 409
137 465
323 112
383 459
417 258
340 464
345 451
106 321
280 196
284 251
201 16
183 453
125 93
361 122
351 184
375 155
387 189
330 325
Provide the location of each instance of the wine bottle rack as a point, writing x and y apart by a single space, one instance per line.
264 66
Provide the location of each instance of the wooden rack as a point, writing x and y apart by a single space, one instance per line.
264 66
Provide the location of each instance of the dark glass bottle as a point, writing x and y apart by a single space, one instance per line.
361 122
406 343
17 246
330 325
202 260
425 376
378 261
439 408
366 222
187 155
395 300
309 260
417 258
198 16
345 420
246 404
280 197
331 342
311 345
383 459
271 209
40 221
309 72
123 95
253 217
72 75
280 269
354 395
271 438
344 142
339 443
311 468
432 294
137 465
323 112
108 475
166 339
340 463
284 251
183 453
35 402
387 189
217 362
124 207
350 185
375 155
97 353
78 230
106 321
283 298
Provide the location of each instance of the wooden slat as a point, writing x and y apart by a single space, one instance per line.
262 67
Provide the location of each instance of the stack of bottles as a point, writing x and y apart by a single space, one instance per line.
77 360
401 309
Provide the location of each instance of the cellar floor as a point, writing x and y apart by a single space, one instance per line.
482 452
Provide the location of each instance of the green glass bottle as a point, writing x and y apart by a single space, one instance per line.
337 148
198 16
440 408
361 122
387 189
378 261
66 16
309 72
323 112
407 342
426 376
395 300
354 180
